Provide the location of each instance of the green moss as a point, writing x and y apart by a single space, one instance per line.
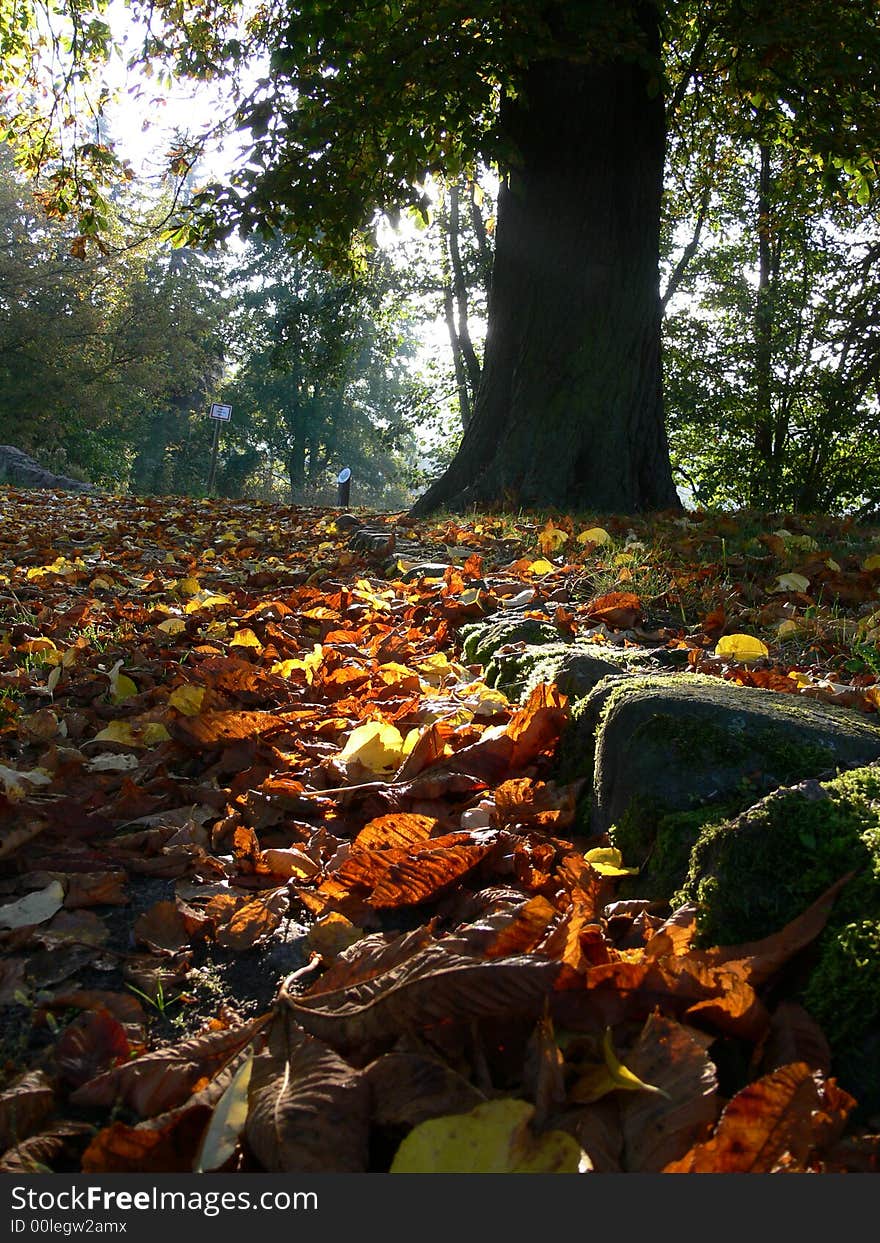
660 844
483 641
843 992
752 875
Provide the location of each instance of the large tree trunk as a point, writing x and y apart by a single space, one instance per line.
569 412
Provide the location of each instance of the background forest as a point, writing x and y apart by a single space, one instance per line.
115 337
110 363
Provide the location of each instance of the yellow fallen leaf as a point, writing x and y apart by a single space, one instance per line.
832 564
121 686
741 647
787 629
872 562
227 1121
130 734
377 745
608 861
310 663
206 600
120 732
494 1138
189 586
187 699
595 535
172 625
551 539
791 582
246 638
541 566
611 1076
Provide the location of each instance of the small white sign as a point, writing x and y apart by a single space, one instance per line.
219 411
344 475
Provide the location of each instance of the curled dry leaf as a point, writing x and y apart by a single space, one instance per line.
92 1043
408 1087
161 1080
660 1127
778 1123
24 1106
308 1109
433 985
36 1154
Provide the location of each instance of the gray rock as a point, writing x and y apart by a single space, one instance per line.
670 753
21 470
576 668
483 639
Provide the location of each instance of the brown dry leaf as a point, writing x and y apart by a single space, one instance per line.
253 921
35 1155
658 1129
519 931
168 927
535 728
433 985
524 801
163 1145
92 1043
213 728
309 1110
596 1127
401 829
774 1124
163 1079
619 610
544 1070
409 1087
392 878
94 889
24 1106
795 1036
721 996
123 1006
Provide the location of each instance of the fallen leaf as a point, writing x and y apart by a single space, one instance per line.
494 1138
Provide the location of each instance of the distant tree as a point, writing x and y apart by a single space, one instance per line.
322 380
773 340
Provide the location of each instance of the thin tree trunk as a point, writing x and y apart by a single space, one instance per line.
569 412
762 462
459 286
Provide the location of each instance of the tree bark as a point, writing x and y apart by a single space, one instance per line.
569 412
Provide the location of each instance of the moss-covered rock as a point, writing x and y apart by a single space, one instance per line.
574 667
752 874
659 746
483 639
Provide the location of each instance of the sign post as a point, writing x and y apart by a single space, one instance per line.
220 414
343 486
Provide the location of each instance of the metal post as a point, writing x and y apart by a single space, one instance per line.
343 487
214 447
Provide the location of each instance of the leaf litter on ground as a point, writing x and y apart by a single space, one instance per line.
284 885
